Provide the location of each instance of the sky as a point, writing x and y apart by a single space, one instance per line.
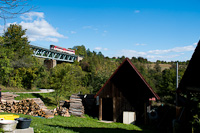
167 30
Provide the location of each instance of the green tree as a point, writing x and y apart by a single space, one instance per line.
5 66
17 64
157 67
66 79
80 50
16 41
168 85
43 75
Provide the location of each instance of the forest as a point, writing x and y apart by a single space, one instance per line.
19 69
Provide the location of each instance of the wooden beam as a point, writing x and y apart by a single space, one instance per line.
114 110
113 89
100 108
114 102
145 113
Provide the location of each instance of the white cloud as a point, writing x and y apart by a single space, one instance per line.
140 44
52 39
158 54
195 43
38 28
137 11
176 49
73 32
131 53
87 27
162 57
30 15
90 27
99 48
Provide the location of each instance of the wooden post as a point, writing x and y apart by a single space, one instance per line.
0 94
145 113
114 102
100 108
114 109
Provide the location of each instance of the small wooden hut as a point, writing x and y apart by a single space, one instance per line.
125 90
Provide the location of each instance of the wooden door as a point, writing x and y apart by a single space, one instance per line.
107 109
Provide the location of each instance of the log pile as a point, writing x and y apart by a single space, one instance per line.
27 107
8 96
64 103
62 111
76 107
40 103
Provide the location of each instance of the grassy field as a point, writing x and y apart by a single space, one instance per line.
163 66
73 124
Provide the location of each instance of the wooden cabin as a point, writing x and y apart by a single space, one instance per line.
125 90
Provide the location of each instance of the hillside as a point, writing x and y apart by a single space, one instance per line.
163 66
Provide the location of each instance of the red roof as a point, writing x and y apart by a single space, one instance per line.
128 62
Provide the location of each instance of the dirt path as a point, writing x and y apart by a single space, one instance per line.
41 91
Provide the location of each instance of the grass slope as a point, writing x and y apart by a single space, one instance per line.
15 89
74 124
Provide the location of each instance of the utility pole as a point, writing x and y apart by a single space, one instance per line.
177 82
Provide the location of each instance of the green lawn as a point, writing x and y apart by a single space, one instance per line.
73 124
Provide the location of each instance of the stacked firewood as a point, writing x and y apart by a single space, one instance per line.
40 103
64 103
8 96
28 107
76 107
62 111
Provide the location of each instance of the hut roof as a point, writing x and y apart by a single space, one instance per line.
131 82
190 80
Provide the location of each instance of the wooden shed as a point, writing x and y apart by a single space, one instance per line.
125 90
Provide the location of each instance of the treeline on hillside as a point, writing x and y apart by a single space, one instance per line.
19 69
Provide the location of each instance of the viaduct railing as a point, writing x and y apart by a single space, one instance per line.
52 54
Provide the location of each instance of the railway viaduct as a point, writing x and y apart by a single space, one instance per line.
52 57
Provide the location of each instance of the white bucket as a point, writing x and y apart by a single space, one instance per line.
8 125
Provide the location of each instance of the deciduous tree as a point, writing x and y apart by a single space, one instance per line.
66 79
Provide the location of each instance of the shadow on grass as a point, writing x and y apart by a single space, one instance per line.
47 101
96 130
